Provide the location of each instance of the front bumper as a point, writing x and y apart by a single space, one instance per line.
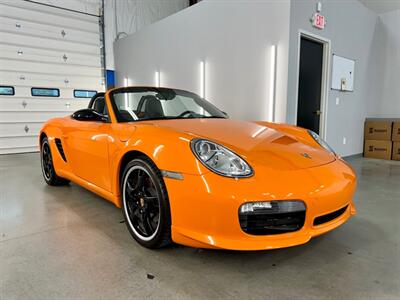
204 209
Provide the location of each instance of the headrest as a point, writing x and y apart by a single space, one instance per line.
152 107
99 105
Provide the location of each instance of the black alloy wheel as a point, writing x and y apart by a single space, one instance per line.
145 203
49 173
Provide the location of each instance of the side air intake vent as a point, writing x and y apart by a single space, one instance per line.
60 149
330 217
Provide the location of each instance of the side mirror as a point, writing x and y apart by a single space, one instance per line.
89 114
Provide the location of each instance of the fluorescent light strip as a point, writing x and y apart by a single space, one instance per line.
272 81
202 79
157 78
126 84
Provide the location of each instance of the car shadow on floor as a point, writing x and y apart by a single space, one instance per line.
101 215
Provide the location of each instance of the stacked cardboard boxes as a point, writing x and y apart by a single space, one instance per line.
382 139
396 141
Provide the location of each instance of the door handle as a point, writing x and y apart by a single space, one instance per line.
318 112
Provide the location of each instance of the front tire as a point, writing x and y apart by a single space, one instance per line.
145 203
48 171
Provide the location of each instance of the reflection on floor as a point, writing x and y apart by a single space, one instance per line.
66 242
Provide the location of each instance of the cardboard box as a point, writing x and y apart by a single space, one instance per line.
378 130
378 149
396 132
396 151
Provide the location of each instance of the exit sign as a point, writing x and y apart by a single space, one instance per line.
318 21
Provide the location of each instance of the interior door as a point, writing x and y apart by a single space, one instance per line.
310 84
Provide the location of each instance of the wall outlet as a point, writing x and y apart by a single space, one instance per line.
337 101
344 140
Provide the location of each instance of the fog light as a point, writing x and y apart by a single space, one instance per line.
253 206
282 206
272 217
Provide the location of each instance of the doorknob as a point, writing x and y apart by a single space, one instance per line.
318 112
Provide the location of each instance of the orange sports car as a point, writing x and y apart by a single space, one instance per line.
183 172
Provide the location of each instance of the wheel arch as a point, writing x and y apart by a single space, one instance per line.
162 234
166 149
42 136
125 159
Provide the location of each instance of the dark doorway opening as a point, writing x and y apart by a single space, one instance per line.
193 2
310 84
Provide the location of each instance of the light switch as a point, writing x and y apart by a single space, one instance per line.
337 101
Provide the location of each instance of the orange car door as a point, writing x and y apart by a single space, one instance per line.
87 143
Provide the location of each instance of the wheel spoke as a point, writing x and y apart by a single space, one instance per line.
132 208
139 180
150 199
152 205
129 188
141 226
147 223
142 202
154 219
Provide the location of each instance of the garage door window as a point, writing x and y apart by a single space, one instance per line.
45 92
7 90
84 94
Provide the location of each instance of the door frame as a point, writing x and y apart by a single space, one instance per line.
326 62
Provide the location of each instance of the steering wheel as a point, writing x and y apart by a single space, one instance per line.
187 112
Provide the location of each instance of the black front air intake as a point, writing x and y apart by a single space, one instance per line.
329 217
60 149
281 217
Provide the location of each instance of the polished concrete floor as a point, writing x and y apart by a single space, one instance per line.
67 243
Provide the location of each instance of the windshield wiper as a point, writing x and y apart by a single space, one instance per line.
214 117
181 118
201 117
157 118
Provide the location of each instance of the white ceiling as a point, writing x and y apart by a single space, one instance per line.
382 6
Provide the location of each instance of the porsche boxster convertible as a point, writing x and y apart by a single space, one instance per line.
183 172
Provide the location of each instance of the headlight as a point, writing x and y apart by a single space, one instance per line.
220 159
321 142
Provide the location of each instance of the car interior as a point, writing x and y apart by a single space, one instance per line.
149 107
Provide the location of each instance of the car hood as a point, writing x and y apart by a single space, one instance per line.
255 142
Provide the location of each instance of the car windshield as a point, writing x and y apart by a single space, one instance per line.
138 103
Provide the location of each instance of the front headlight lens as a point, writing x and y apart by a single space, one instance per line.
321 142
220 160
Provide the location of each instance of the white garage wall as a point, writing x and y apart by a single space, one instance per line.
351 29
45 47
87 6
121 16
385 101
124 17
232 37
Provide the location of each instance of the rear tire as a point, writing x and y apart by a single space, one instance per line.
145 203
48 171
